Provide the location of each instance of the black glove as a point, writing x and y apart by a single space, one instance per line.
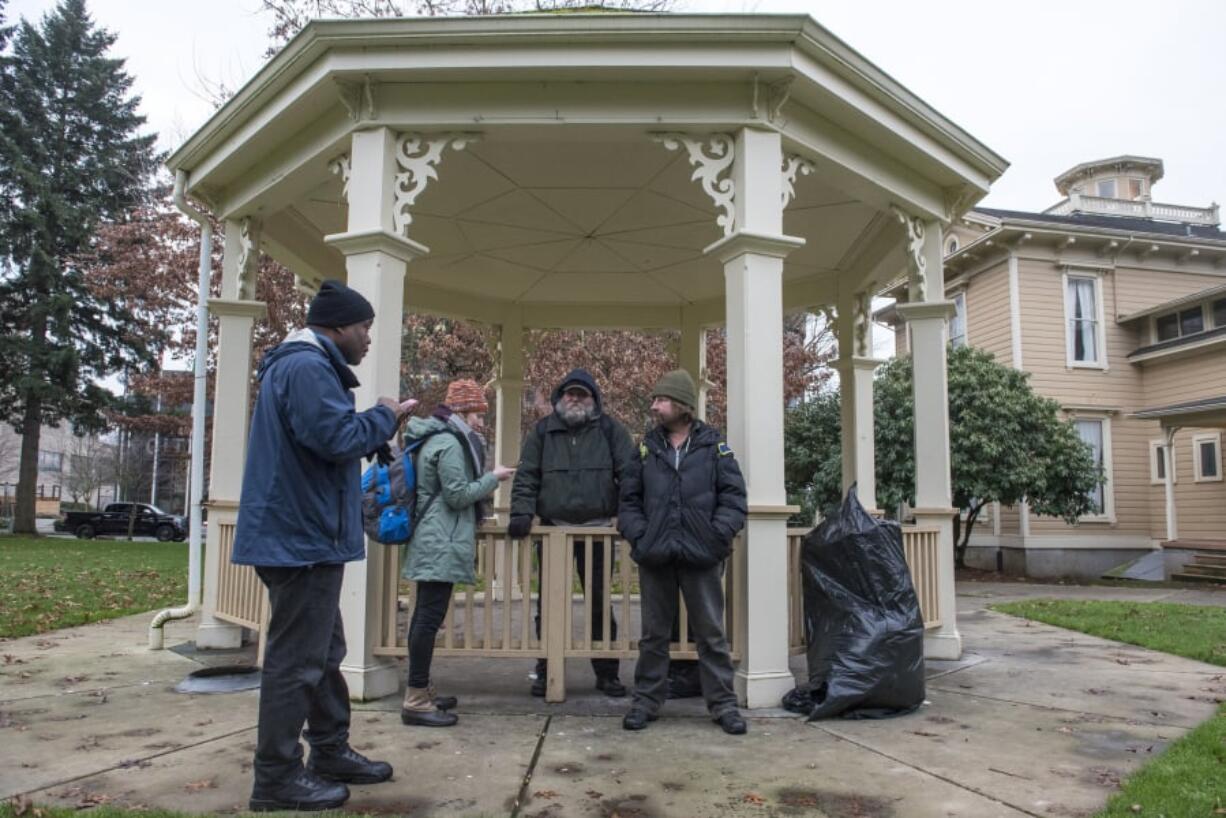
520 525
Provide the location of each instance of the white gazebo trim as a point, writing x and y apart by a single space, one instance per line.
377 240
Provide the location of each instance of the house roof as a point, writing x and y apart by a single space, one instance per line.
1175 303
1152 166
1200 406
1122 223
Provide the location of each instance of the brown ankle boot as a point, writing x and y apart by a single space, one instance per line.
419 709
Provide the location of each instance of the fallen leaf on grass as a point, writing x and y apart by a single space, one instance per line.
20 805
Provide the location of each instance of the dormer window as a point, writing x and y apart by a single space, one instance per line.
1134 188
1219 312
1178 324
1106 188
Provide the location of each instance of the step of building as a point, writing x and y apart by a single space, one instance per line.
1205 570
1201 578
1209 559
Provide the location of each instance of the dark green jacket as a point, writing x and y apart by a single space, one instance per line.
572 475
445 538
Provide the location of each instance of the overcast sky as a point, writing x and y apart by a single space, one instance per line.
1046 84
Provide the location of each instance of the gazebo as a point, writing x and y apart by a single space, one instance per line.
593 170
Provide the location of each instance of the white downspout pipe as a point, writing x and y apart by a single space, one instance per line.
1168 485
196 523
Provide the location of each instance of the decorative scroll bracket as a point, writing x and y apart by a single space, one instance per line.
249 230
712 158
917 265
792 166
341 166
863 321
418 156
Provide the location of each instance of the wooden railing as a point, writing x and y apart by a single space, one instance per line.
495 617
240 594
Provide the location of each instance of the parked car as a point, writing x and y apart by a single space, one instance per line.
150 522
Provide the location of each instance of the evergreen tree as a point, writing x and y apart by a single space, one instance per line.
70 157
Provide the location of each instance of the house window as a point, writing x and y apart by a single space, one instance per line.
50 461
1178 324
1083 309
1207 456
1096 433
1219 312
1106 188
1157 463
957 323
1134 188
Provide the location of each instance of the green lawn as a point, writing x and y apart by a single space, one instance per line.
48 583
1189 779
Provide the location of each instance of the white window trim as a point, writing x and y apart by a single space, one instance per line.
1101 339
1154 457
960 296
1207 437
1206 322
1108 514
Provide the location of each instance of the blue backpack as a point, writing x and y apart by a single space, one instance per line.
389 494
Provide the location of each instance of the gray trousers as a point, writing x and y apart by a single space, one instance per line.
704 604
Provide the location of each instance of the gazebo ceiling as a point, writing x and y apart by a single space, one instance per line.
584 221
563 197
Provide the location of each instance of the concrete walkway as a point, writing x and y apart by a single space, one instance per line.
1033 721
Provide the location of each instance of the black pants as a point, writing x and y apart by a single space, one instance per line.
704 603
301 680
433 599
603 668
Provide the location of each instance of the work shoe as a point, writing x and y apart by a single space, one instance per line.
732 723
442 702
541 682
610 686
636 718
306 792
419 709
349 766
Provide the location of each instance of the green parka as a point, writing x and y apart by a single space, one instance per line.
444 538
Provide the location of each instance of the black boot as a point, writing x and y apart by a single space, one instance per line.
305 791
419 709
541 682
349 766
732 723
636 718
610 686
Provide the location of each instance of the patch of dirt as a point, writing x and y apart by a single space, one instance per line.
795 801
627 806
568 768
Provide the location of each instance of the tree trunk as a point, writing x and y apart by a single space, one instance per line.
962 538
27 471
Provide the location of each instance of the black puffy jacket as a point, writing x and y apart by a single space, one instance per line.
687 516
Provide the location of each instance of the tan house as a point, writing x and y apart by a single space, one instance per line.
1116 306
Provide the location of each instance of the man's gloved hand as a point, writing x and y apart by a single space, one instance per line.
519 526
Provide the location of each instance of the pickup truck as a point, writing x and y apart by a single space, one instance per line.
150 522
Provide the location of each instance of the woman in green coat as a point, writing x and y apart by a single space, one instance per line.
451 485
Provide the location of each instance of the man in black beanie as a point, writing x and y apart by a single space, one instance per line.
299 522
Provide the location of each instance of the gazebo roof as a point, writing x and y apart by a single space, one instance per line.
563 203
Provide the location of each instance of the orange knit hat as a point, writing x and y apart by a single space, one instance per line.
466 395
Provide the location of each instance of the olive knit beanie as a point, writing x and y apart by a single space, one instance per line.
677 386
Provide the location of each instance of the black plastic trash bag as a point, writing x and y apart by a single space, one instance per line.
862 620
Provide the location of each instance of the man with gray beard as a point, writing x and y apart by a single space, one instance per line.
570 472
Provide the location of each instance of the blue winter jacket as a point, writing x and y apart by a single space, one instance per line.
302 498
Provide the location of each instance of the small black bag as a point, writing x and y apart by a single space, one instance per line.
862 620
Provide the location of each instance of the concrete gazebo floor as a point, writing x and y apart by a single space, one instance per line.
1033 721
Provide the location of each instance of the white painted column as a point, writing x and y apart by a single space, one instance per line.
236 312
933 497
752 256
375 259
509 397
856 366
692 357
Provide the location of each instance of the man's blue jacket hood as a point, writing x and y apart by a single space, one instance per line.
301 501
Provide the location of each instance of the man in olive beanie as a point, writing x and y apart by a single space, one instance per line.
681 507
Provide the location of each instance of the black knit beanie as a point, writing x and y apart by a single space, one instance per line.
335 305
